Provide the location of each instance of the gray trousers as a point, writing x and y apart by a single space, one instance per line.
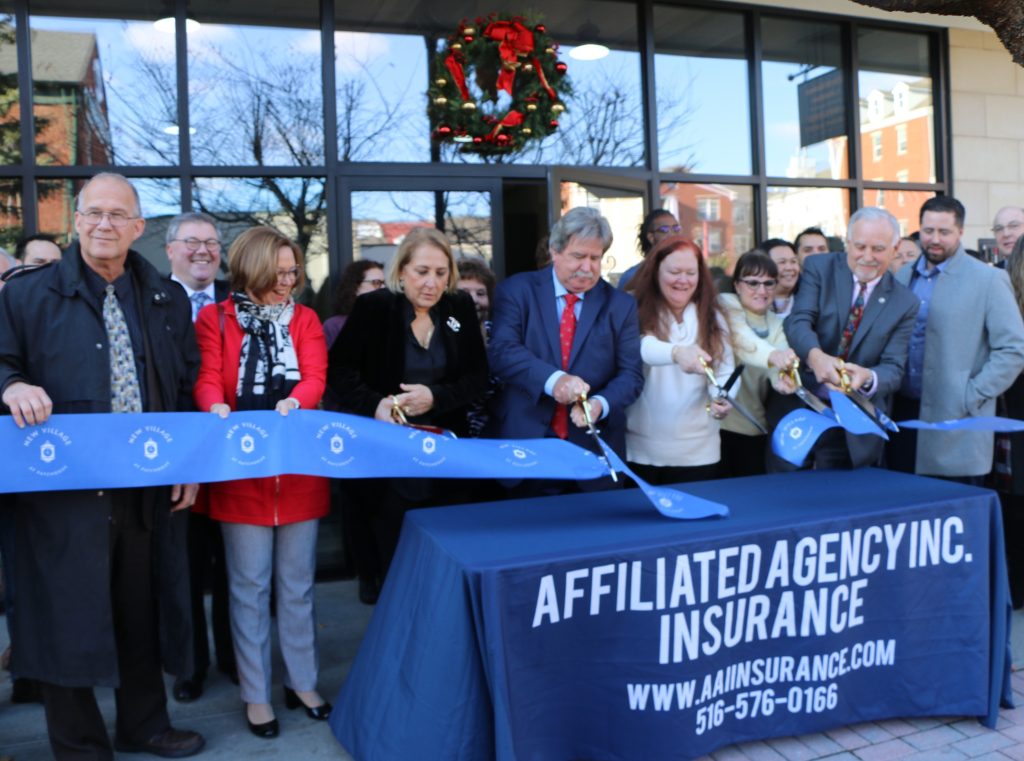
254 555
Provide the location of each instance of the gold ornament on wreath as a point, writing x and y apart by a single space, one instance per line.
484 58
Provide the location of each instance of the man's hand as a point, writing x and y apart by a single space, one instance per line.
29 404
858 375
577 416
825 367
569 388
417 399
688 358
183 496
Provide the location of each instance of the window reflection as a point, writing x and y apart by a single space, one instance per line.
805 120
295 206
11 224
624 210
160 199
105 92
896 116
381 219
10 111
791 210
255 95
700 70
719 218
905 205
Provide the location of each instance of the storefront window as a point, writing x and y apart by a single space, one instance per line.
719 218
905 205
805 114
105 91
793 209
700 70
255 93
896 115
10 111
11 218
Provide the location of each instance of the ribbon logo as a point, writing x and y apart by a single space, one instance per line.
47 452
247 444
150 450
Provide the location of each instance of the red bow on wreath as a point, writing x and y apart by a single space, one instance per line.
515 40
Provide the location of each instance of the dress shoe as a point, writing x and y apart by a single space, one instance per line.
171 743
292 701
187 690
369 590
267 730
229 670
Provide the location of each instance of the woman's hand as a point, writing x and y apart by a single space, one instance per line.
688 358
782 359
287 405
383 411
220 409
719 408
417 399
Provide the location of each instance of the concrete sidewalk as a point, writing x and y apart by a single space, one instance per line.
218 715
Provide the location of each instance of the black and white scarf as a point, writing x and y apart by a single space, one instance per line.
268 368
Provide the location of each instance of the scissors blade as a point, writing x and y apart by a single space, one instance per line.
592 430
812 401
736 373
878 417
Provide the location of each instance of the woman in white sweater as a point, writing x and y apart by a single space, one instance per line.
760 345
672 430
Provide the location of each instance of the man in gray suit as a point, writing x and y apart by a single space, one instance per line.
851 313
967 347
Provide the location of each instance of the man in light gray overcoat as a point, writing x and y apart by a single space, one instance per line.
966 349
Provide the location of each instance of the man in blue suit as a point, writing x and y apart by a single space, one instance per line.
548 357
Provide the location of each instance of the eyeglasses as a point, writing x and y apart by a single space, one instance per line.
292 274
375 282
753 284
668 229
194 244
1012 227
116 218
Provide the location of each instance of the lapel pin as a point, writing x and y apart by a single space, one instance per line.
454 324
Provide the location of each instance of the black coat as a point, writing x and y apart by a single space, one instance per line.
367 361
52 335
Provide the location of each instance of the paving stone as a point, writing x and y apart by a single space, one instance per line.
1015 752
872 732
760 751
901 727
937 754
884 751
970 727
792 749
730 753
986 743
847 738
935 737
822 744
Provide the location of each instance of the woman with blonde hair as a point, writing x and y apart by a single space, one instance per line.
411 350
262 351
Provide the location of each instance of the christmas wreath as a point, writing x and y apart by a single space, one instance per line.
497 54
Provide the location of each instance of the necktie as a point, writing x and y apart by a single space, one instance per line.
566 332
124 380
852 321
199 300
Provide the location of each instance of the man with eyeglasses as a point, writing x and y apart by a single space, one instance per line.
966 349
1007 226
102 576
851 317
194 250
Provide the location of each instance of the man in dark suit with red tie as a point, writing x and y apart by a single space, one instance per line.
561 332
850 312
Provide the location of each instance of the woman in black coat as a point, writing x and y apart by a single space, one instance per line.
416 346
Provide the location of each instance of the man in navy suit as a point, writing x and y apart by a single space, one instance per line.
194 251
531 324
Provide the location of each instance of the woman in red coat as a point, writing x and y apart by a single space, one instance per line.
262 351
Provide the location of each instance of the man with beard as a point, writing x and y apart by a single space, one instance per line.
966 348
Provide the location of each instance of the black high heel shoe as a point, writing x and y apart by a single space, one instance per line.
292 701
266 730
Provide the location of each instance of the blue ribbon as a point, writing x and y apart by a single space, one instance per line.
983 423
798 432
853 418
100 451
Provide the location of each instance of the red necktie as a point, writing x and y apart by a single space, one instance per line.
852 322
566 332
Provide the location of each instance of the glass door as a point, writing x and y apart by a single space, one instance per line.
621 200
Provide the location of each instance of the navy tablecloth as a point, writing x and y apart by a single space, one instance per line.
589 627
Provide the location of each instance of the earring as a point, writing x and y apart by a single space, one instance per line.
401 284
